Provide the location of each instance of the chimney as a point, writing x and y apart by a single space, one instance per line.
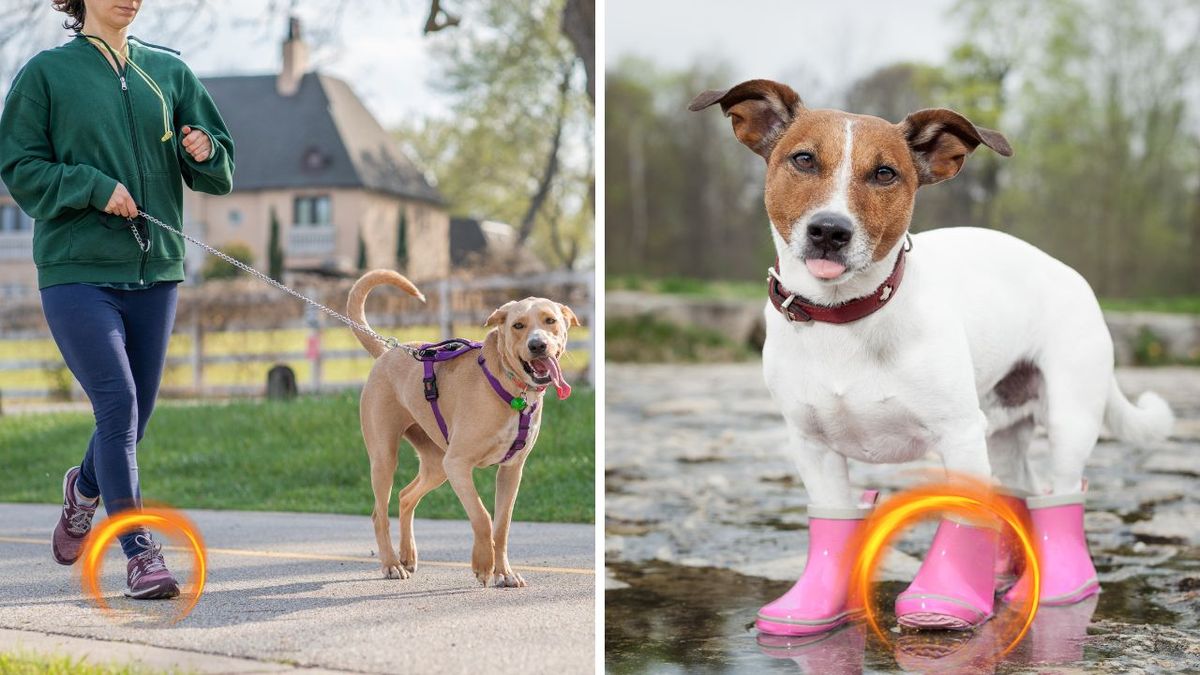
295 60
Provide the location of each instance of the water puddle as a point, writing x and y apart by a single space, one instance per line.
674 618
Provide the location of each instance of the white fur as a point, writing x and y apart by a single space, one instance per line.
919 375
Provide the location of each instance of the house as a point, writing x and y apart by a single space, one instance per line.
309 153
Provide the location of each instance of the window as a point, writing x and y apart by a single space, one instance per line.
313 210
13 220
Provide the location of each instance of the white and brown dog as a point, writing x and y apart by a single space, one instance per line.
882 347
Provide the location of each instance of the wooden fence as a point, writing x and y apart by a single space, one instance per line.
201 359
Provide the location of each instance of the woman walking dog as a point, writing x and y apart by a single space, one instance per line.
90 132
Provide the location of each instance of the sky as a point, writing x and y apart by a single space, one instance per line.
835 41
387 62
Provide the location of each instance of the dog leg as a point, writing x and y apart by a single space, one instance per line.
1008 452
955 587
1073 421
429 477
824 472
508 479
459 473
382 448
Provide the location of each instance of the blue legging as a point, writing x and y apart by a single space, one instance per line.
115 343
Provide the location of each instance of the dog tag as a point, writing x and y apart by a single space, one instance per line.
519 403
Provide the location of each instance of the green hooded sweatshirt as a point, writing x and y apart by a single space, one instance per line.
72 127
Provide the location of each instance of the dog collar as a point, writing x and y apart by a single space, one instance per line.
798 310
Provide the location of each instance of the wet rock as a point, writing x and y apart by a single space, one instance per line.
682 406
1174 462
1171 525
1102 521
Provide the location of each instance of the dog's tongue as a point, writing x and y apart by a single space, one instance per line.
560 384
824 269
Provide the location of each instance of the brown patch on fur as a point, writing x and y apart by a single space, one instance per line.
759 109
1020 385
941 139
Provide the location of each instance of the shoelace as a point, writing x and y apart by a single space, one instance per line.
150 560
81 520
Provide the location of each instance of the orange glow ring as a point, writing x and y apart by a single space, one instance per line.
158 518
966 497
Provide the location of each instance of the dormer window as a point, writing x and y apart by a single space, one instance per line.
314 160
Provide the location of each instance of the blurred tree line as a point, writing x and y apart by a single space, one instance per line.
1099 98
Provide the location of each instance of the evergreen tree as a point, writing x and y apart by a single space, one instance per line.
402 239
275 250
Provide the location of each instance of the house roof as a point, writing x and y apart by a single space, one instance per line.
322 136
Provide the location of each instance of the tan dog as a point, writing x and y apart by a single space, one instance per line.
522 351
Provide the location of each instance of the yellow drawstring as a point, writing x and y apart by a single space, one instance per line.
167 133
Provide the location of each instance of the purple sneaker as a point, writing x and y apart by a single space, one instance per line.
74 523
149 578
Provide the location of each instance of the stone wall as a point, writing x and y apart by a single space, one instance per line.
1161 338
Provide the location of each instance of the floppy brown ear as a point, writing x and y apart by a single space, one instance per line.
941 139
569 316
497 317
760 110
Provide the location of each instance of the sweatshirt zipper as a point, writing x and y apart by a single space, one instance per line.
137 158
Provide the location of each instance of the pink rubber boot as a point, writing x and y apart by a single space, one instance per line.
1010 558
1068 575
819 601
955 587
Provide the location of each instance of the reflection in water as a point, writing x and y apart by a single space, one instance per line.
683 619
838 653
1056 637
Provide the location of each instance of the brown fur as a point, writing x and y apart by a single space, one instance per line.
481 426
929 146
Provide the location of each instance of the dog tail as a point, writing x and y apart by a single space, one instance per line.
1150 421
356 305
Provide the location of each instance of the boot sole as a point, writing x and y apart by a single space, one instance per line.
777 626
955 614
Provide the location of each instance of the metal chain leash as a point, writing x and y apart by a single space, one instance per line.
389 342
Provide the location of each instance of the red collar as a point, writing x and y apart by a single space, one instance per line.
796 309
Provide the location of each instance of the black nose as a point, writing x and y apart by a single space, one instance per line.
537 346
830 231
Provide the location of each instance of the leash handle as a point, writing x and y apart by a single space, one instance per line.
389 342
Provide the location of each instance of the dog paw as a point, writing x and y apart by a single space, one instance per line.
395 571
508 579
483 578
410 566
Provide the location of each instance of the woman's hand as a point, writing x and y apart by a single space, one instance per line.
121 203
196 143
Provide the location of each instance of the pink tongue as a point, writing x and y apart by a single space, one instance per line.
560 385
824 269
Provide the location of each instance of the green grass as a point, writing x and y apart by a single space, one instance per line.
303 455
36 664
644 340
1187 304
704 288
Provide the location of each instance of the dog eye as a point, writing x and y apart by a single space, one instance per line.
884 175
804 161
550 319
518 326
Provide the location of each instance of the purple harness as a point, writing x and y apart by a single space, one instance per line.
436 352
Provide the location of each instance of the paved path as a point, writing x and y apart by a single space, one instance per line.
305 590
